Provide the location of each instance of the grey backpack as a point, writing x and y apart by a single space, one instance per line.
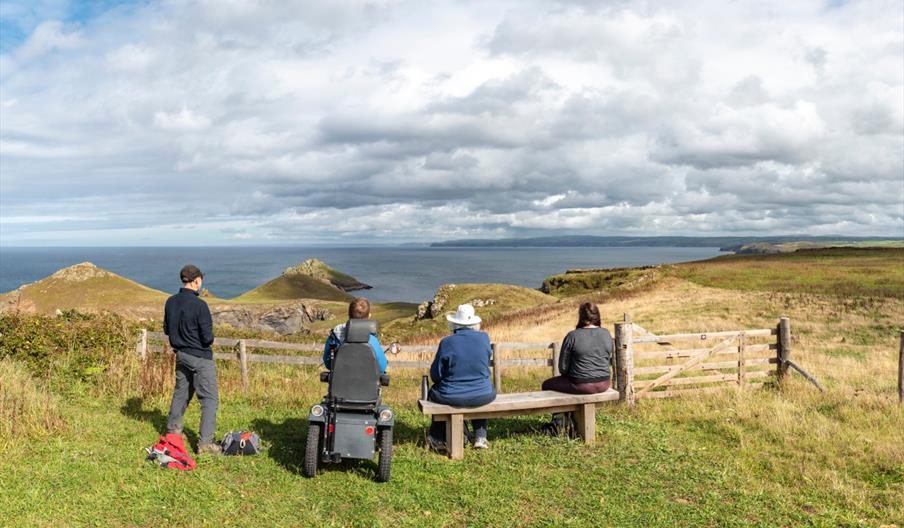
241 443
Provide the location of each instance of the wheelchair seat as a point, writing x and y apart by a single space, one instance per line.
355 377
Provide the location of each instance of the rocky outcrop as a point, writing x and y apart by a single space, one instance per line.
284 319
318 269
430 309
440 303
80 273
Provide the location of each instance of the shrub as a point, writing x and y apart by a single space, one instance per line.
69 348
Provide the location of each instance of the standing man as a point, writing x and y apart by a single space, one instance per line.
187 322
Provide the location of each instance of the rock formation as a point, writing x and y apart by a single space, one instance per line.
284 319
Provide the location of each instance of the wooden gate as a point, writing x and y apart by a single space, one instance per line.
662 366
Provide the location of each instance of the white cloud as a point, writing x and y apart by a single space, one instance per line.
184 120
130 58
48 36
290 121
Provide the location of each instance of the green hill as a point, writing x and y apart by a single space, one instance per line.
319 269
87 288
312 279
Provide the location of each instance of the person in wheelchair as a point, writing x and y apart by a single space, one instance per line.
359 308
351 422
461 374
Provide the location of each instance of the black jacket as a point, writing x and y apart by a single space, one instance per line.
187 322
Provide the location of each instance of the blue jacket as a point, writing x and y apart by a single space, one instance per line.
337 336
461 368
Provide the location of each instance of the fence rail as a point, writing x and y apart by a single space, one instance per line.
700 370
241 354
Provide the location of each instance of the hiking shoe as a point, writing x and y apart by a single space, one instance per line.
481 443
211 448
437 445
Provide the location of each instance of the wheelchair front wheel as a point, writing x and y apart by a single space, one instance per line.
312 450
384 467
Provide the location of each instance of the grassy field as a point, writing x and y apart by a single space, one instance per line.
788 456
847 272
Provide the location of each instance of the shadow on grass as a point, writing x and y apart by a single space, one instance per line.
134 409
287 441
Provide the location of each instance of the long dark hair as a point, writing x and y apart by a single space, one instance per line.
588 315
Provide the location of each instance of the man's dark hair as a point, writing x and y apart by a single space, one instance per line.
359 308
588 315
190 272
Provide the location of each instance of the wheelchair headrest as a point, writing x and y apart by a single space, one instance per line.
359 330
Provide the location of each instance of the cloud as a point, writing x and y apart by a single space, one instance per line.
396 120
48 36
184 120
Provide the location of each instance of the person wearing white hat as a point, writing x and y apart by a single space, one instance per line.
461 374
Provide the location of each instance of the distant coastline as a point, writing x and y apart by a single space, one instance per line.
732 244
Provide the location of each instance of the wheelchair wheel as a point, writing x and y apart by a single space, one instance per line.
384 467
312 450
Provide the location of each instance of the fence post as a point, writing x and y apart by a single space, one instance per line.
555 359
742 356
243 361
625 360
143 344
497 369
784 347
901 371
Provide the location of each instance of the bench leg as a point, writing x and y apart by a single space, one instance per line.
586 418
455 436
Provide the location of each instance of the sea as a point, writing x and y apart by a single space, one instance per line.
409 274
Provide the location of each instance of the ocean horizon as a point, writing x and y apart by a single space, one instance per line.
397 273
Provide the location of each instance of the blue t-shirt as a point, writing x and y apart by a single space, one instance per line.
336 338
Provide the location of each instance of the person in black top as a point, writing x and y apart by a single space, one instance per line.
187 322
584 362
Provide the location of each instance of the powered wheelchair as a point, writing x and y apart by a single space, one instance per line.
351 422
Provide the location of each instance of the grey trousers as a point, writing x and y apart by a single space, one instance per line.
195 375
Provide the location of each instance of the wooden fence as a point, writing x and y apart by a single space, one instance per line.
241 354
663 366
644 365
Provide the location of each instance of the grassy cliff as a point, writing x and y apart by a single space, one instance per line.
577 282
312 279
87 288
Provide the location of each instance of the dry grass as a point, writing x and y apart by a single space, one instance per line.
26 410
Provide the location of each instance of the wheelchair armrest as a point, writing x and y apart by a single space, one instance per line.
384 380
325 376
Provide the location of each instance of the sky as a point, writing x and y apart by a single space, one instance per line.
239 122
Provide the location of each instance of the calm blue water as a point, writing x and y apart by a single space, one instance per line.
396 273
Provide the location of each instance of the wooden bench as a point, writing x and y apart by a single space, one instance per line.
518 404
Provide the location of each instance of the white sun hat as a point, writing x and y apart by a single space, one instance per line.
464 316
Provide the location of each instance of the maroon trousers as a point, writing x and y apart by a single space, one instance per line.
564 384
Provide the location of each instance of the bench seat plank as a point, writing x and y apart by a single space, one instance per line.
520 402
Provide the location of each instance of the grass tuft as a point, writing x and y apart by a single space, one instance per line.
27 410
